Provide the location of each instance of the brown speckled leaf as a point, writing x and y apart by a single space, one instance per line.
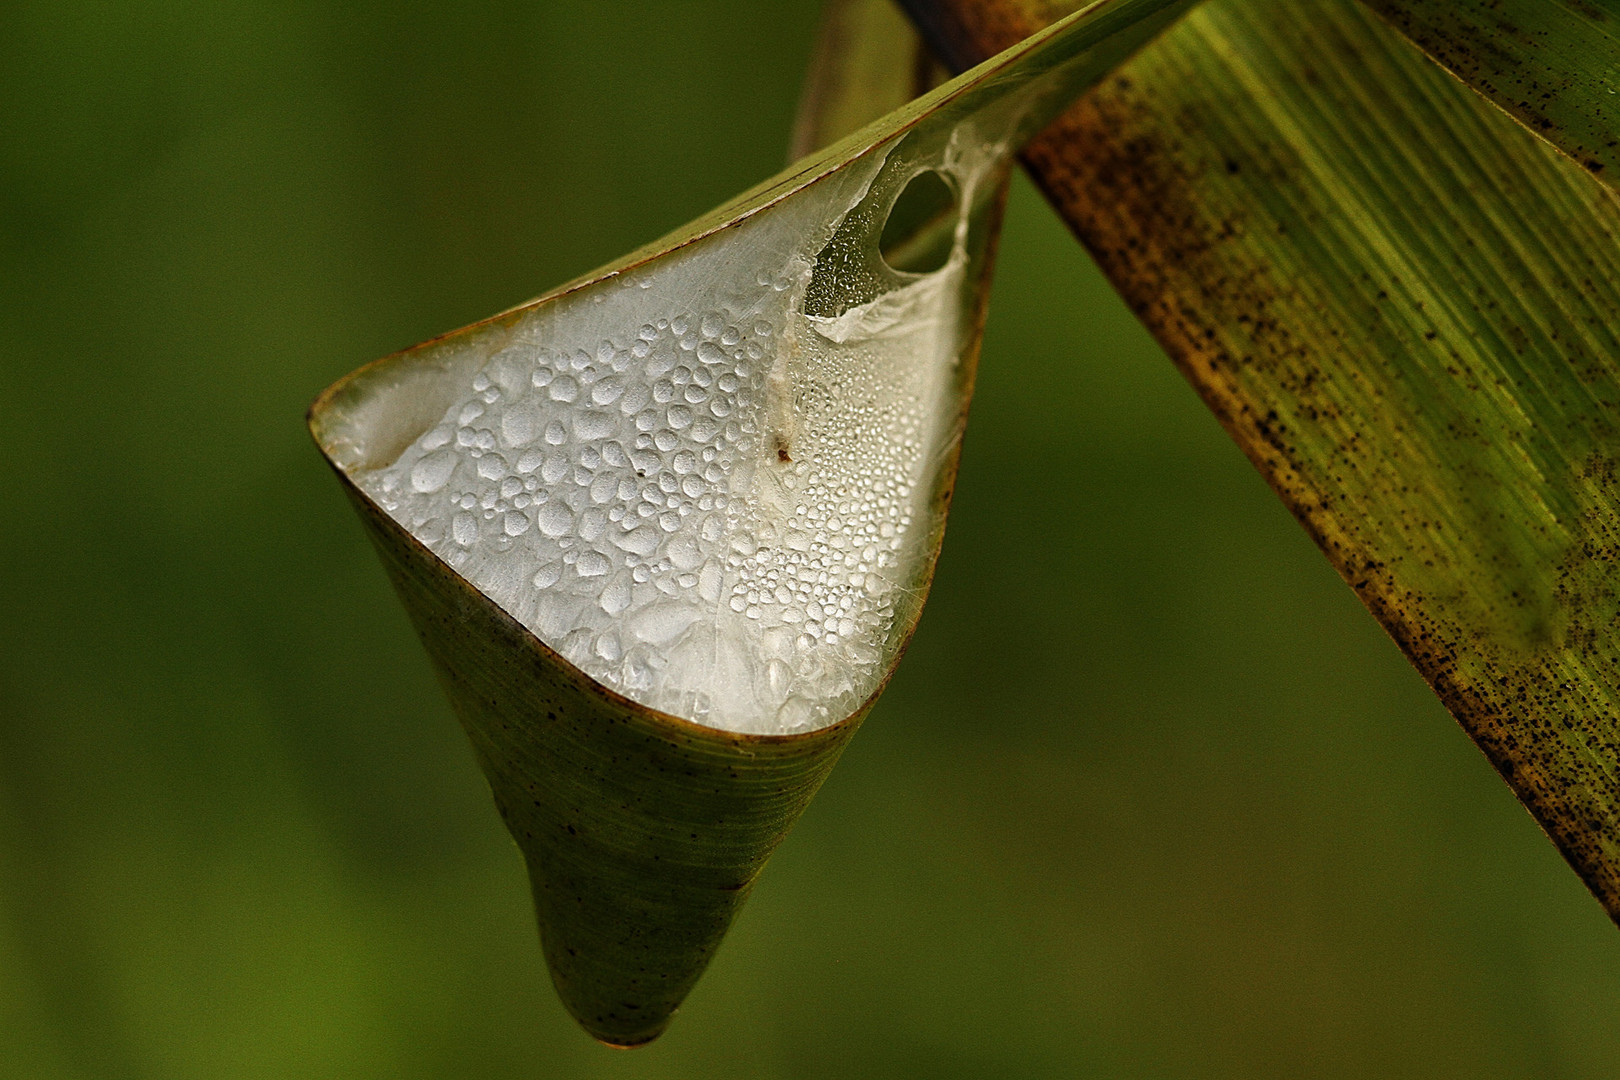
1554 65
1403 307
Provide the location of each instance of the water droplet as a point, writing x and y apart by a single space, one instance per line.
710 580
433 472
464 529
662 622
592 564
592 523
594 424
684 554
616 597
518 426
555 519
564 388
635 399
641 541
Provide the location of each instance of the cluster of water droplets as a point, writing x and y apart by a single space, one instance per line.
708 514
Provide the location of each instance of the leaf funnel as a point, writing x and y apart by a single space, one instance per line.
665 531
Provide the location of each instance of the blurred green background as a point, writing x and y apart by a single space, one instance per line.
1152 795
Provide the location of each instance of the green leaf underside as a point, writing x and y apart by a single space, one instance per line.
1554 65
1402 306
643 832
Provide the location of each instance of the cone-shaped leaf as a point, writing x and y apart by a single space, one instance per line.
1404 308
665 531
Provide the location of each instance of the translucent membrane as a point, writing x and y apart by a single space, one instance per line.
697 493
713 478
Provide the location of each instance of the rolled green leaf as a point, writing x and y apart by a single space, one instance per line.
665 531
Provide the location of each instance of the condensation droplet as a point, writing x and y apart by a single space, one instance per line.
433 472
555 519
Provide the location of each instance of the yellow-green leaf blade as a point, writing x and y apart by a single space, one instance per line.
1553 65
1402 306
